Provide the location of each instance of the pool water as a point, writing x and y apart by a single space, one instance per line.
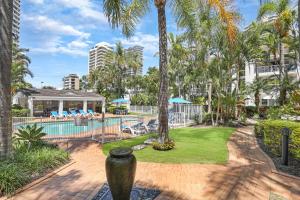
66 128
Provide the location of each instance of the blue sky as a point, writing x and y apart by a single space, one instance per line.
59 34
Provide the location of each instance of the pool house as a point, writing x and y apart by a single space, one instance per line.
41 102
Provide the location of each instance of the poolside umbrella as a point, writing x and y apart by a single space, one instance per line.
179 101
120 101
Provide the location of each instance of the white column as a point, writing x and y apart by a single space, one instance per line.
85 105
60 107
30 106
103 106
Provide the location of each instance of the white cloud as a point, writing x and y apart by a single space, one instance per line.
148 41
86 9
36 1
55 45
43 23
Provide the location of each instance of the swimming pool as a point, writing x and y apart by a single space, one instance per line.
67 128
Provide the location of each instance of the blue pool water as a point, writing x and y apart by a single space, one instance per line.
65 128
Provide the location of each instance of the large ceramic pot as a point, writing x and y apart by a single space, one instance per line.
120 172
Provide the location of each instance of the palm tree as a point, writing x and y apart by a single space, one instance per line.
127 14
281 26
6 13
19 69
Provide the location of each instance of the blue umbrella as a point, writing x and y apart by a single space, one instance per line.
120 100
179 101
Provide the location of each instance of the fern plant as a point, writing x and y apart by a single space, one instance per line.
30 134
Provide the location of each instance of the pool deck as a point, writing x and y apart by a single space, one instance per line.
248 175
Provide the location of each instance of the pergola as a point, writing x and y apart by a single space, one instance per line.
63 97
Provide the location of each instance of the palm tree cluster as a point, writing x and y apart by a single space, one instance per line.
114 78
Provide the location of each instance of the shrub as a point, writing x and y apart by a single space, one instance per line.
270 130
26 165
163 147
197 119
20 112
111 109
30 134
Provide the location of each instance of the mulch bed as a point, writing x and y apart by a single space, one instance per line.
293 167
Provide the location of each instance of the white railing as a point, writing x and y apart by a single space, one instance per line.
181 115
65 129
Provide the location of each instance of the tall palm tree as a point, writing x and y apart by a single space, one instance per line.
6 14
127 13
281 25
20 68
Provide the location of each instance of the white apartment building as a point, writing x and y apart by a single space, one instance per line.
16 21
99 56
71 82
139 51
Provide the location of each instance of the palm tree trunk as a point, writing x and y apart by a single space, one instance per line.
163 89
299 26
282 76
6 13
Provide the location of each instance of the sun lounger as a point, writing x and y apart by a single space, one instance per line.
74 113
137 129
83 113
65 114
91 112
54 114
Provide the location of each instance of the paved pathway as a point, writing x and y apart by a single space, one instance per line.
246 176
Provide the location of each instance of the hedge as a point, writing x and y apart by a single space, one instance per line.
20 112
270 131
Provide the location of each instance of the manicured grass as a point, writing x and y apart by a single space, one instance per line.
193 145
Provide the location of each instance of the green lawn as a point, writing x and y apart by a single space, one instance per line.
193 145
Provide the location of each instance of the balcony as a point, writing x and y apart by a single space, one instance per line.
274 69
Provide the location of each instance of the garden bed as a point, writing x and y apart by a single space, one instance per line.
294 165
26 166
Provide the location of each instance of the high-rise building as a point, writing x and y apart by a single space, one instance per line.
16 21
137 51
71 82
99 56
263 1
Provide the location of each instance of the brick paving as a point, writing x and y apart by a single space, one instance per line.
246 176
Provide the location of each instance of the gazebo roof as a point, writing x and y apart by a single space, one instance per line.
52 94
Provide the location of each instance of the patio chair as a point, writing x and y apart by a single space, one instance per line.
91 112
74 113
54 114
152 126
83 113
66 114
137 129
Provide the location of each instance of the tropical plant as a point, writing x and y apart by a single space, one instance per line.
30 134
280 27
20 68
6 19
126 14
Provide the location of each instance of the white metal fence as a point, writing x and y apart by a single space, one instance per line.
109 128
66 129
179 115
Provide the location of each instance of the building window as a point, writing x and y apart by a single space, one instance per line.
264 102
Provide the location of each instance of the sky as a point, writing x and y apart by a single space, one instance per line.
59 34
